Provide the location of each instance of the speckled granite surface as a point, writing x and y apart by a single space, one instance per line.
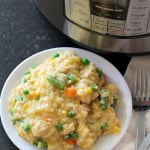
23 32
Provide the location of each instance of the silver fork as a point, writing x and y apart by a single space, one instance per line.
146 143
138 79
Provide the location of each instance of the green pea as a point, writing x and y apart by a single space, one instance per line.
85 61
33 66
99 72
104 126
19 98
71 78
27 72
26 127
56 55
24 80
25 92
70 114
11 111
94 87
59 127
74 135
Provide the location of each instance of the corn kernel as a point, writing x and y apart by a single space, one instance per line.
25 106
64 112
10 108
89 90
116 130
50 59
34 95
31 81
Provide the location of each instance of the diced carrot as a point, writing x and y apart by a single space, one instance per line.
71 141
48 119
70 91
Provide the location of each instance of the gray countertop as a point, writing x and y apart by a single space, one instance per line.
23 32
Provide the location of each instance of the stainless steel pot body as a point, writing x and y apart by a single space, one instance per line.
102 25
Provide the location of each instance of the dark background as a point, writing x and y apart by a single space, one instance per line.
23 32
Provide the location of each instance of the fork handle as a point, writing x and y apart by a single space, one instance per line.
146 143
140 130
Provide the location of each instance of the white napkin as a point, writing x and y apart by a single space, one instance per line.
128 141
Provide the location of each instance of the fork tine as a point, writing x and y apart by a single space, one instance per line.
148 85
146 91
143 84
139 85
134 94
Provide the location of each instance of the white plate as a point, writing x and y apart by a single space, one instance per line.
113 75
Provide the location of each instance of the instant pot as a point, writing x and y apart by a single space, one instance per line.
119 26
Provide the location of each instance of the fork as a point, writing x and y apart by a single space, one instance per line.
146 143
138 79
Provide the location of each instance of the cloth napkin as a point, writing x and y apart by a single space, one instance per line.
128 141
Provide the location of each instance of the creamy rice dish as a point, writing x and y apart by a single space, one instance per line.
64 102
